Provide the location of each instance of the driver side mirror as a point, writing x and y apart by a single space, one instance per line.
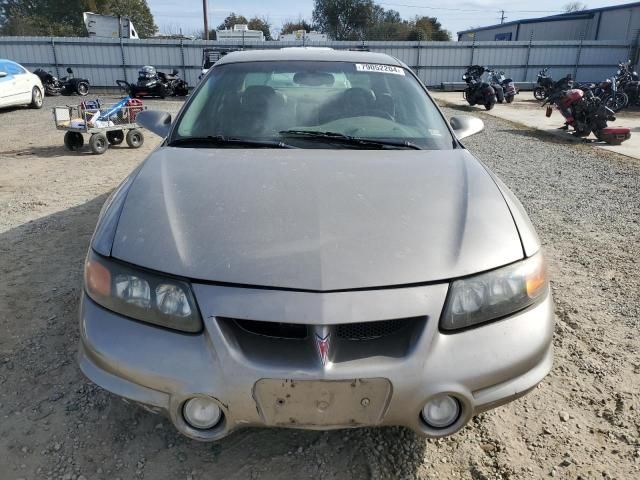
465 125
155 121
3 74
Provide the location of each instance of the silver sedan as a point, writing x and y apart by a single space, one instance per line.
312 247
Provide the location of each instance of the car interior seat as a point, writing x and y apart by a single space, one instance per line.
353 102
262 110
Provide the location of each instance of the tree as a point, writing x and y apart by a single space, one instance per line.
64 17
42 17
137 10
232 20
291 26
365 20
428 28
261 24
343 19
574 7
387 25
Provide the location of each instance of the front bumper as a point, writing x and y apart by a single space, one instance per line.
247 374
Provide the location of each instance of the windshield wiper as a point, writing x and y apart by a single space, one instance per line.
222 140
347 139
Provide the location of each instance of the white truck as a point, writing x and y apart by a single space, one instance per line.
109 26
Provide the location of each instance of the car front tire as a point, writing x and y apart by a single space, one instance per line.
36 98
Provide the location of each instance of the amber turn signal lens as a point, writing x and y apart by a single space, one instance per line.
97 278
536 282
536 279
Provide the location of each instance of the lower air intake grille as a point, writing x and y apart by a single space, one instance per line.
371 330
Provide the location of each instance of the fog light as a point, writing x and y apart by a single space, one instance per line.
201 413
441 412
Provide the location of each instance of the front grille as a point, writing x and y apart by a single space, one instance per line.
359 331
371 330
289 345
274 329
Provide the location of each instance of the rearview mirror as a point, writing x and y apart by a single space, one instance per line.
465 125
3 74
314 79
155 121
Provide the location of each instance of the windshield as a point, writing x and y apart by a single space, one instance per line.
281 101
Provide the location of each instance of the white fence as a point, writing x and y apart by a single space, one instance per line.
105 60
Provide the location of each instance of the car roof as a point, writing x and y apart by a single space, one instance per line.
309 54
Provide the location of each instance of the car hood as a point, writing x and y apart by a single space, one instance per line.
317 220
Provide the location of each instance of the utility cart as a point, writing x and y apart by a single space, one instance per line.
106 124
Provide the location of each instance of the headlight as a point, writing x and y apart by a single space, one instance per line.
496 294
141 295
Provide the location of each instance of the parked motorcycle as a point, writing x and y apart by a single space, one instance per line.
505 87
152 83
63 86
478 91
629 82
543 84
585 112
608 92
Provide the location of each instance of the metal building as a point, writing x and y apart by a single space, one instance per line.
619 22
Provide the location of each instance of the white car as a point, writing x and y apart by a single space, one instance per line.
18 86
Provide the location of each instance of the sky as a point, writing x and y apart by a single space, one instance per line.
171 16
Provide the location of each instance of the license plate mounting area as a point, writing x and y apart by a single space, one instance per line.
322 403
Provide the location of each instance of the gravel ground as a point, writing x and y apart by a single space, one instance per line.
582 422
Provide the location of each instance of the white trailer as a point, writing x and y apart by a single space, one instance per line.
109 26
239 32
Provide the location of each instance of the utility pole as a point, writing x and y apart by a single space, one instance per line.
502 17
205 12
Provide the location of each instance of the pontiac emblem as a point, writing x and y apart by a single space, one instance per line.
322 344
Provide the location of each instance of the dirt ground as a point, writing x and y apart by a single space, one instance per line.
582 422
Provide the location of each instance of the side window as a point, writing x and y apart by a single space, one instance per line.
3 67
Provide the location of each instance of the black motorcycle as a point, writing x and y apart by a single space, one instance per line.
478 91
152 83
64 86
543 85
629 82
608 91
505 87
